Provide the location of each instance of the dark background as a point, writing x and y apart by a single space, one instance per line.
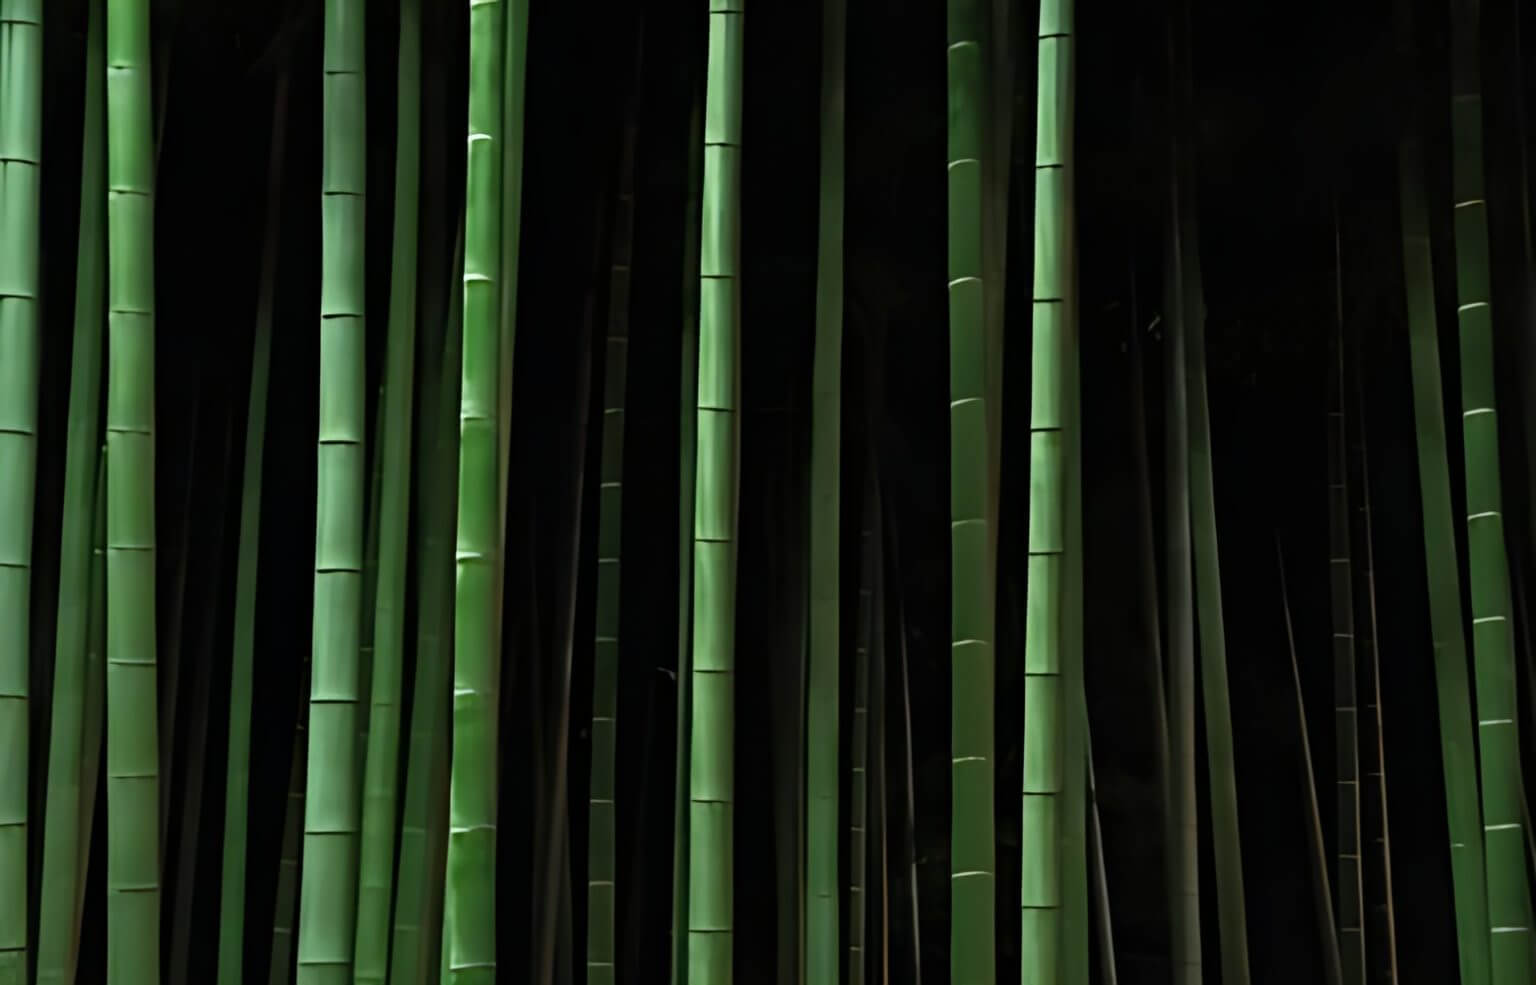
1297 106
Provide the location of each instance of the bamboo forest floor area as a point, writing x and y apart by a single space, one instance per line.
867 492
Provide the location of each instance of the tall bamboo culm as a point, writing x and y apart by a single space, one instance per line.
1458 752
1509 900
21 150
328 886
1048 701
823 832
133 777
973 867
469 919
712 732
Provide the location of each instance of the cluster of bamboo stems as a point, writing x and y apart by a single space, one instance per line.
389 857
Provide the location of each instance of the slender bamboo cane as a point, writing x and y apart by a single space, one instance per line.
823 835
1049 698
1103 922
242 664
1509 899
1220 755
973 866
602 812
712 731
1381 933
1328 941
1349 900
1457 746
859 757
21 151
64 862
327 908
469 926
376 869
92 747
416 947
909 788
133 796
280 960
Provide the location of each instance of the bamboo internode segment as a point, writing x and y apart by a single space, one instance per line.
21 139
1509 896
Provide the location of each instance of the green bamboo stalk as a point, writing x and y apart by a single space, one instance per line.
1049 630
687 472
469 926
823 785
1184 847
973 867
21 139
602 812
231 961
416 948
859 758
1509 900
327 911
95 723
377 849
1457 746
1221 767
1382 932
280 962
712 731
1328 941
1348 888
64 863
1100 871
133 780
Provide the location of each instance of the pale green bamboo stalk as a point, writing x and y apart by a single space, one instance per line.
1051 682
469 924
823 786
712 731
133 780
327 908
231 961
21 154
64 860
376 868
973 855
1507 887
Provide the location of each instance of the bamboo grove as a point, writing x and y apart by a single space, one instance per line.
871 493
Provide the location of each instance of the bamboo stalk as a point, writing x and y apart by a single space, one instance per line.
1051 681
133 773
859 757
1328 941
1348 887
1508 891
231 960
823 786
327 907
64 844
21 151
1457 746
376 869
